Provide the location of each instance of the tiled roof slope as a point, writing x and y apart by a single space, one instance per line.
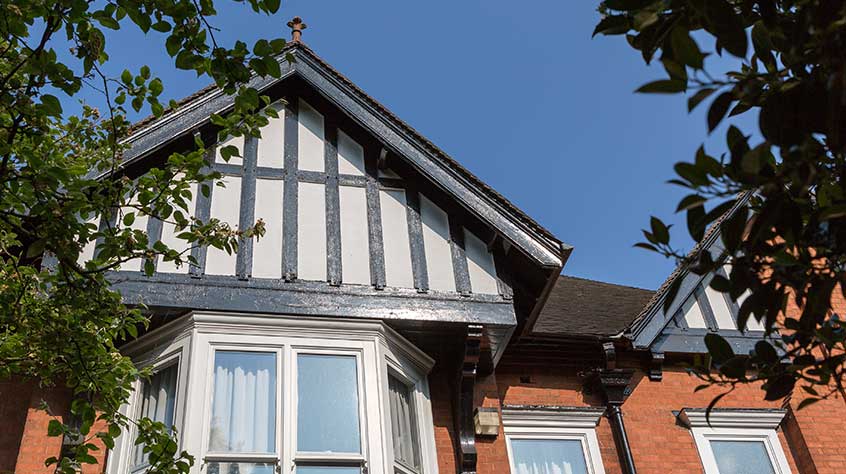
577 306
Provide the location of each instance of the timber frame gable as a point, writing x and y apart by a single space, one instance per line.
440 206
695 311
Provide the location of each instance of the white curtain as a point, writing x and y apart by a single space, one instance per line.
402 423
244 402
548 456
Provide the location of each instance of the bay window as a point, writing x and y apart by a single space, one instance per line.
262 395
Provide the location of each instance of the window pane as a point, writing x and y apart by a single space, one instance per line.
240 468
327 411
403 426
742 457
328 470
158 401
243 403
548 456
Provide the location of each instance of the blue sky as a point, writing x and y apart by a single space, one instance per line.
517 92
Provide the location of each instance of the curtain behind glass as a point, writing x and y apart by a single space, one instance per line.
158 402
244 402
403 427
548 456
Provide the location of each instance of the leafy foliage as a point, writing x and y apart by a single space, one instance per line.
60 322
786 236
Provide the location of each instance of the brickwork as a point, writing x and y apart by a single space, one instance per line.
24 444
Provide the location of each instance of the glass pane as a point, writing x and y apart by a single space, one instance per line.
403 426
243 403
327 411
240 468
158 402
328 470
742 457
548 456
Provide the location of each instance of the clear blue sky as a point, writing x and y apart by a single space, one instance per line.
517 92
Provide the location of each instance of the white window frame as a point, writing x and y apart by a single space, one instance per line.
555 423
377 348
163 348
736 425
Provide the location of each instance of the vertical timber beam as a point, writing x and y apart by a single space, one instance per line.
459 257
463 408
374 217
247 217
291 191
203 213
333 205
415 235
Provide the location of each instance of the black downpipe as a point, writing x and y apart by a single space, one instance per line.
618 428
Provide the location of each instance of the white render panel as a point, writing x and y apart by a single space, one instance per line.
267 251
693 314
720 308
480 264
355 250
350 155
437 247
235 160
398 271
169 238
87 252
271 145
226 206
311 228
310 134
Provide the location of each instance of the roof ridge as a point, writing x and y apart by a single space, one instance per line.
605 282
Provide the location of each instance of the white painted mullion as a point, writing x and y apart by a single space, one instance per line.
289 394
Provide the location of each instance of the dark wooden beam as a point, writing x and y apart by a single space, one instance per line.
289 214
459 257
374 217
415 235
334 270
247 211
463 405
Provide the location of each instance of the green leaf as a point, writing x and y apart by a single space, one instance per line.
55 428
663 86
700 95
691 201
659 230
718 347
718 110
628 5
613 25
685 48
51 105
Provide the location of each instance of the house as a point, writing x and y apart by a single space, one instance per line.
400 316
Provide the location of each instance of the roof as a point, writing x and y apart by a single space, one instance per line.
143 126
577 306
710 236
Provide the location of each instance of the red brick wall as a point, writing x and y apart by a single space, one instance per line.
659 445
24 446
